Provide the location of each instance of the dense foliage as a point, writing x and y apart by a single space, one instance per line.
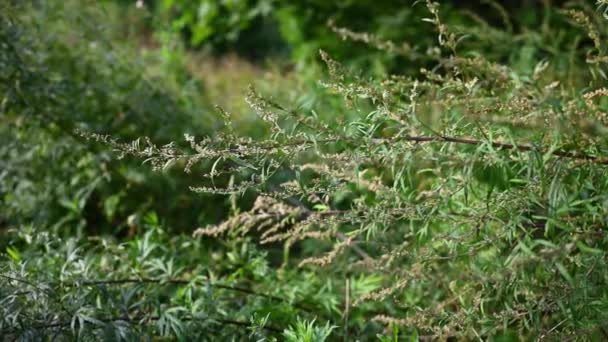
463 197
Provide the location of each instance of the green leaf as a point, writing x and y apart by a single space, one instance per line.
564 272
14 254
586 249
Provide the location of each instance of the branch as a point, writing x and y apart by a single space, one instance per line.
437 139
466 141
507 146
306 212
27 282
180 282
63 324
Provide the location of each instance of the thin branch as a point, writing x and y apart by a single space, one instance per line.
306 212
181 282
347 305
63 324
507 146
497 145
27 282
157 281
436 139
47 292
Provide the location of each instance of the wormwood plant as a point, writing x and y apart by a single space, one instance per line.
477 192
474 192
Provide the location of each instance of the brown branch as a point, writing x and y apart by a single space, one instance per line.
506 146
158 281
181 282
47 292
63 324
457 140
27 282
307 212
437 139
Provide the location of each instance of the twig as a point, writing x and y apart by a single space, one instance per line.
156 281
552 329
422 139
457 140
346 306
27 282
341 236
62 324
416 139
47 292
180 282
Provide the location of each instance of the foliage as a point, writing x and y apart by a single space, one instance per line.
477 191
307 332
153 285
242 26
375 37
463 198
74 75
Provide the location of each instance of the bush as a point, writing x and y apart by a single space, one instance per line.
154 285
476 190
466 200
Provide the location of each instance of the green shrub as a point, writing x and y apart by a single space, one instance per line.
466 200
475 190
154 285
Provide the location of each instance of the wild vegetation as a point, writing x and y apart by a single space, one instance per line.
447 181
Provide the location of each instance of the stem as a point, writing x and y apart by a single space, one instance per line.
500 146
346 306
180 282
62 324
437 139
